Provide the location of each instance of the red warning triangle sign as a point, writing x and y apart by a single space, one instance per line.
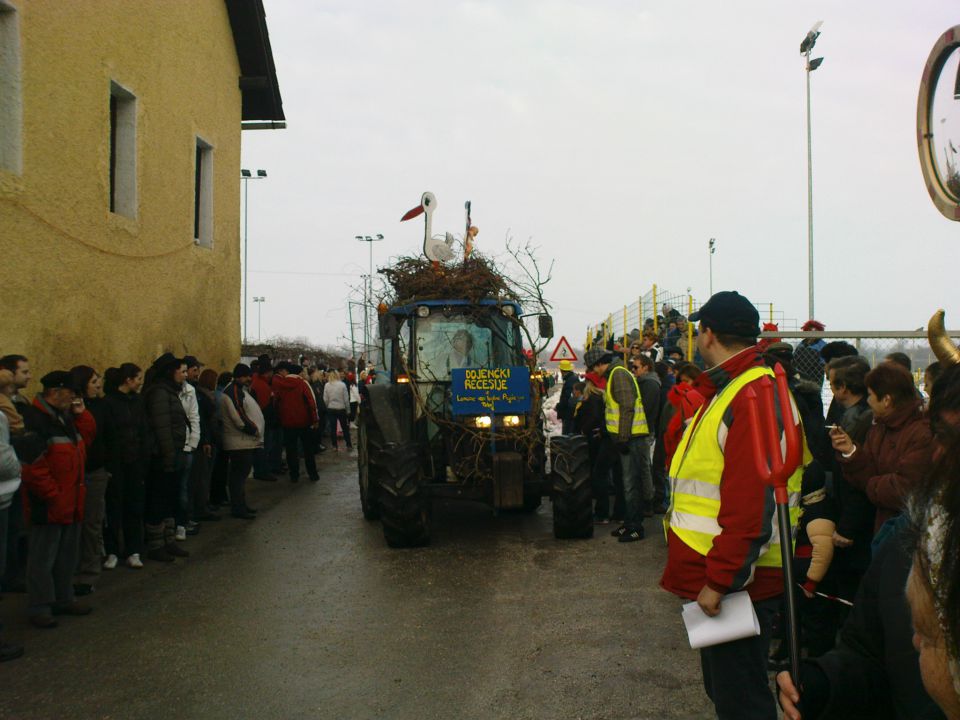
563 351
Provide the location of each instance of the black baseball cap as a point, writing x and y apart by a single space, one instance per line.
58 379
729 313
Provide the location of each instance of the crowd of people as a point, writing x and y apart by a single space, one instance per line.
101 470
879 470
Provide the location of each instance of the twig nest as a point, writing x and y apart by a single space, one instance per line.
476 278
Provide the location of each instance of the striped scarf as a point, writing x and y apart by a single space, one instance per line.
236 393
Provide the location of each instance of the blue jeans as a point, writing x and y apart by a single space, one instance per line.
183 506
637 480
268 460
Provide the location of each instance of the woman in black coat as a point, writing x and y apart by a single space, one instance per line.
126 438
168 431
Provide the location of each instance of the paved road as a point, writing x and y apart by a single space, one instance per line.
305 613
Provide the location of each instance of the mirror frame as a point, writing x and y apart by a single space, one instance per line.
948 206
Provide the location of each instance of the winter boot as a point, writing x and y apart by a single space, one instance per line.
155 545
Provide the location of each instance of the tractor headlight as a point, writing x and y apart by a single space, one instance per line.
511 421
508 310
423 311
482 421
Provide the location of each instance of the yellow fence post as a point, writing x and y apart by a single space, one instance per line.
624 334
656 325
771 313
690 329
640 314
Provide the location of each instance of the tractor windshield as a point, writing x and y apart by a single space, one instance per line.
447 340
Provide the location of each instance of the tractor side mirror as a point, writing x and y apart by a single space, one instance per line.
546 326
388 326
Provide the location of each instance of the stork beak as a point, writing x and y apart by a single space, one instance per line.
946 352
412 213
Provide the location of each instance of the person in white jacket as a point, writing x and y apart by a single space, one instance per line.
354 396
337 399
188 398
243 427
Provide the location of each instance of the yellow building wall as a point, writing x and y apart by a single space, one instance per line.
83 285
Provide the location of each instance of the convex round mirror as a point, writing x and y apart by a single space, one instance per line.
938 124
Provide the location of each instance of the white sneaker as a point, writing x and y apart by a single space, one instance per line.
181 533
110 563
134 561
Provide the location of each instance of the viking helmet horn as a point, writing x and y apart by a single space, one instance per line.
946 352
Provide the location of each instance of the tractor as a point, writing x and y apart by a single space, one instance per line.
455 414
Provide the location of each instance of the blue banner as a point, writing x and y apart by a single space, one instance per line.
489 391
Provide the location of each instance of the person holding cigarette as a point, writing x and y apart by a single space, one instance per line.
897 452
55 490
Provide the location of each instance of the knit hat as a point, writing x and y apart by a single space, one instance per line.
597 355
242 370
813 325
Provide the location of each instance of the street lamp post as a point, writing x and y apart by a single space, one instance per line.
712 246
368 290
246 176
259 301
806 47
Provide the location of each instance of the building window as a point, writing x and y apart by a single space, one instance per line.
11 99
203 195
123 151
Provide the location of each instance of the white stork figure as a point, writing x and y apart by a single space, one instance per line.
440 248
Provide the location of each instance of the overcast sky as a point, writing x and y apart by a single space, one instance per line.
619 135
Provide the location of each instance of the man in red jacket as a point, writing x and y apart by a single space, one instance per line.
721 526
54 495
297 408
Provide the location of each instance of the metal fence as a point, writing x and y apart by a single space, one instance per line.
655 309
876 345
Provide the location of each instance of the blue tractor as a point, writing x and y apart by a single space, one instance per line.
455 414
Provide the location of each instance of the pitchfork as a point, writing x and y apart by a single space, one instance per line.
775 468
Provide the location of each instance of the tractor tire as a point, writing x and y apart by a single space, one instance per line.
405 506
572 491
406 520
368 473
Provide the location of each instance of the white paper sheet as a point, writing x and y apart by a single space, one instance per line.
737 620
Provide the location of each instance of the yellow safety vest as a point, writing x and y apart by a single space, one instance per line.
612 409
695 478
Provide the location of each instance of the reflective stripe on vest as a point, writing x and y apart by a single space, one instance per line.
696 471
612 409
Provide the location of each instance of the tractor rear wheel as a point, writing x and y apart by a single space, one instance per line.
572 491
405 506
367 473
